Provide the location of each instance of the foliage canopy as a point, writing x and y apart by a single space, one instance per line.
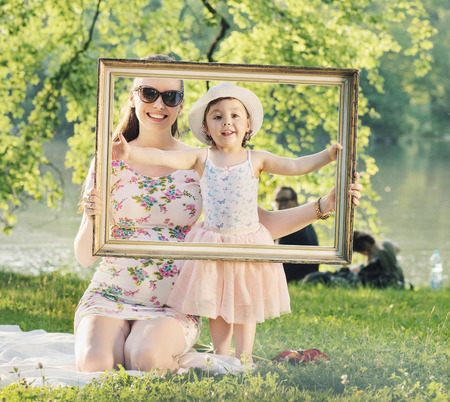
48 69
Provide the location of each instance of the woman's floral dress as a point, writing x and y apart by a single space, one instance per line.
144 208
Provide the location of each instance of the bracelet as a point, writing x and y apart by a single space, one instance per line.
320 215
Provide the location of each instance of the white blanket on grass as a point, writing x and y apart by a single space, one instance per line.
22 354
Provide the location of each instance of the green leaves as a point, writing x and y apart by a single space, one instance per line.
49 52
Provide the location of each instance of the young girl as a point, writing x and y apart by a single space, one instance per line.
233 295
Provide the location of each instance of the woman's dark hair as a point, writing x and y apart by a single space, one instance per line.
362 241
128 122
209 139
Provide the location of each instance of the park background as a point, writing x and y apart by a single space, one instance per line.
48 69
384 344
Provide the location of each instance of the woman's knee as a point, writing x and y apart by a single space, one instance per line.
154 345
94 359
149 357
99 343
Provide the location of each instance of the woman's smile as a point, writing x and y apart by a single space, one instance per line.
156 116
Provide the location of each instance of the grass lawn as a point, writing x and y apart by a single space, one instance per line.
382 344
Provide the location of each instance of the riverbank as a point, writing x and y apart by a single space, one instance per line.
382 344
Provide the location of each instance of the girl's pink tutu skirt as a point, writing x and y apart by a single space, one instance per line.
239 292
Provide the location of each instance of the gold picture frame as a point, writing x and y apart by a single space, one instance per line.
347 82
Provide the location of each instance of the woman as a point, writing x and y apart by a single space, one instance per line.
121 318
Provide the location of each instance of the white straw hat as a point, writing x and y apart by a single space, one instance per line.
225 90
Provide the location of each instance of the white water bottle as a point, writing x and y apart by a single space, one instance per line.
436 282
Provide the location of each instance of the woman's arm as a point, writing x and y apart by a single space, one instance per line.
83 241
286 221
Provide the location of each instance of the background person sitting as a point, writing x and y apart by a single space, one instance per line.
381 268
286 197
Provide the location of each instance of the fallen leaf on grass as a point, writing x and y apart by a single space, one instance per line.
301 356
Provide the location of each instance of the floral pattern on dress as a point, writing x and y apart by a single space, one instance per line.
146 201
138 275
157 198
148 209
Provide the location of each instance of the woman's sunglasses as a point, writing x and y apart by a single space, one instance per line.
150 95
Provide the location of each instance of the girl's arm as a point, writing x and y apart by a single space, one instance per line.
184 159
271 163
286 221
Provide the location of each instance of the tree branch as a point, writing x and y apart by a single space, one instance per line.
66 71
224 26
91 30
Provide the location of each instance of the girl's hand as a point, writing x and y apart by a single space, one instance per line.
328 203
120 149
92 203
333 151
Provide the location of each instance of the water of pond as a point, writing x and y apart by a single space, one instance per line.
413 183
42 240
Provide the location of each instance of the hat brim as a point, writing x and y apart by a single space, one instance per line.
225 90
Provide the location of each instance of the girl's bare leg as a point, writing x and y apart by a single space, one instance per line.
154 345
99 343
221 334
244 337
